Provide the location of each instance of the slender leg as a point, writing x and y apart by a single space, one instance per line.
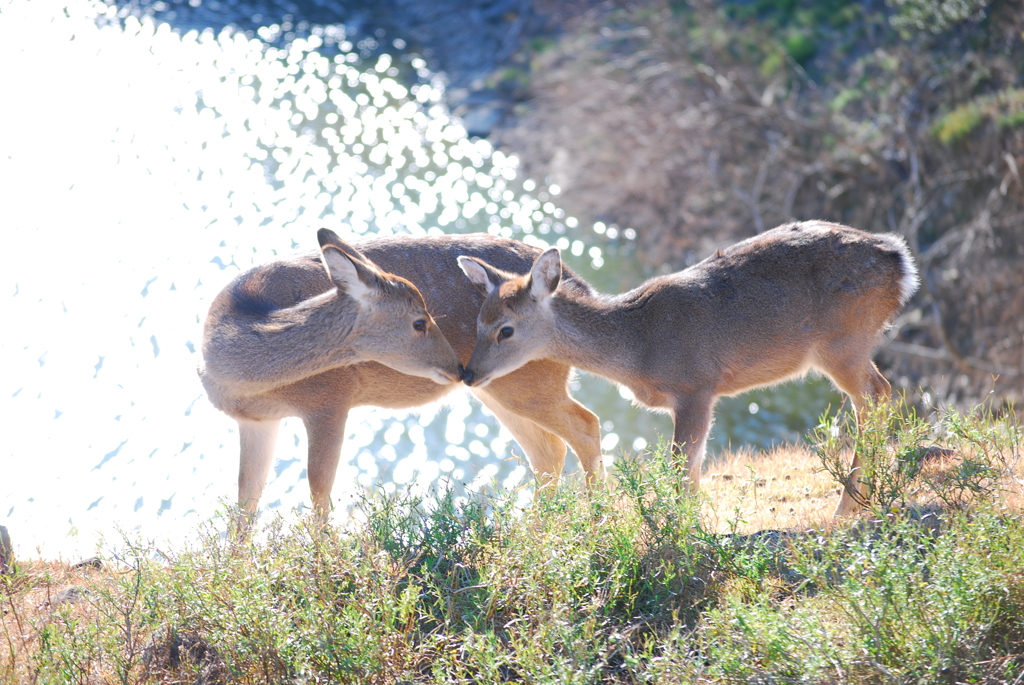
538 392
692 416
544 451
326 432
257 440
864 384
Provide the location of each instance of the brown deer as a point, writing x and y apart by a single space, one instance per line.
811 295
318 334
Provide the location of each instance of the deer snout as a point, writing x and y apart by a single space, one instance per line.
448 376
467 376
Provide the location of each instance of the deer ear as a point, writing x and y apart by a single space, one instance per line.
346 266
480 273
545 274
326 236
344 272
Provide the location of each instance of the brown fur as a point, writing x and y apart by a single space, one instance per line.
280 340
800 296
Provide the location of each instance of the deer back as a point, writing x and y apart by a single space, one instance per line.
760 310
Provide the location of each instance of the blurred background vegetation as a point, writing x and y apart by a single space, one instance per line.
700 123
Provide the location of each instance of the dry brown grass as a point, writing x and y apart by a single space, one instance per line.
40 594
784 488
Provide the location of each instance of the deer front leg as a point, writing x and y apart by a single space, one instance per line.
855 491
692 416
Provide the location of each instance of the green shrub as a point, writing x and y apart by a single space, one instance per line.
1006 108
889 440
801 46
622 584
933 16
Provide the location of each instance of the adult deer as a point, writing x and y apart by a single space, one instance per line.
800 296
318 334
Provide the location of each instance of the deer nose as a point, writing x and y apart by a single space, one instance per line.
467 376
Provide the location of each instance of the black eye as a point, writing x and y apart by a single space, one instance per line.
420 325
505 332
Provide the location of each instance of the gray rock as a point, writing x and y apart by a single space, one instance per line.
171 651
6 552
91 562
480 121
73 594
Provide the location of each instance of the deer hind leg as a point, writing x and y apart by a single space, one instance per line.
864 384
257 440
325 430
538 392
692 416
544 451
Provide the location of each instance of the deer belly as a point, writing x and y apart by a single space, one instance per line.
380 386
772 365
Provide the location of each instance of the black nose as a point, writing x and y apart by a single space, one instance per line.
467 377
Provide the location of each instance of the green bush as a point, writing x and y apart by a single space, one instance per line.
933 16
623 584
1006 108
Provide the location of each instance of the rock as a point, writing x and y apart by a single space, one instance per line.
6 552
91 562
480 121
170 650
73 594
936 453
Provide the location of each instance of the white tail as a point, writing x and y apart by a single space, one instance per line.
317 335
800 296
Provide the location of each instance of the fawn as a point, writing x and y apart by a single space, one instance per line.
318 334
809 295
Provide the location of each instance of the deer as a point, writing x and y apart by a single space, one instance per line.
319 333
802 296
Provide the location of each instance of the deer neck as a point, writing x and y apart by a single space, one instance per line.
599 333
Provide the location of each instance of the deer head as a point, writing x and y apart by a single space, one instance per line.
392 325
516 320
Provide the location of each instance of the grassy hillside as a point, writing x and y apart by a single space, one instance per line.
634 584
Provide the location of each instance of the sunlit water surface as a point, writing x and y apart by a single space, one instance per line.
140 170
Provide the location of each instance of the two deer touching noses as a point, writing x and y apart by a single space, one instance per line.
399 321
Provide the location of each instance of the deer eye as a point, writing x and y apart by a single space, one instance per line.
506 333
420 325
